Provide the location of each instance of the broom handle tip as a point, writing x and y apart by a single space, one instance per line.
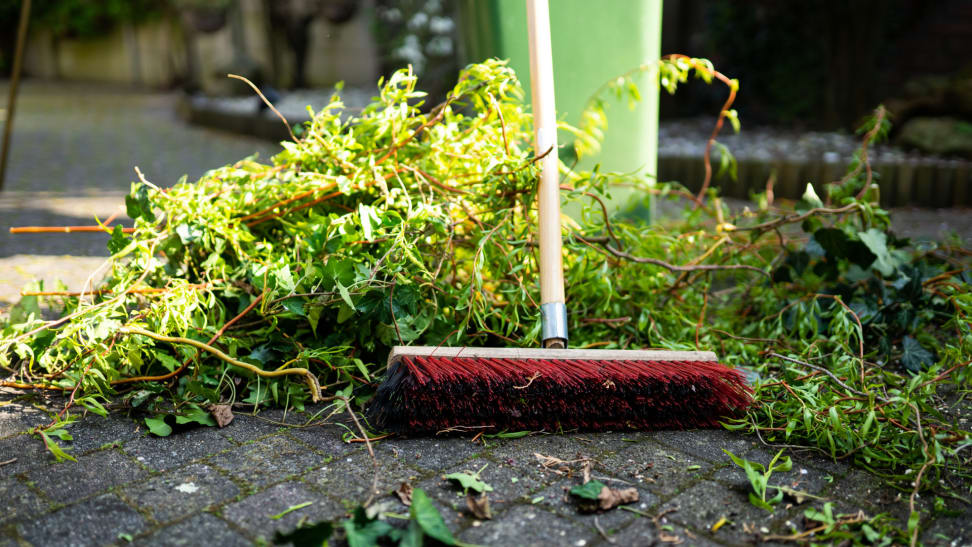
548 195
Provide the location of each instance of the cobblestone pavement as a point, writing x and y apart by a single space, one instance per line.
222 486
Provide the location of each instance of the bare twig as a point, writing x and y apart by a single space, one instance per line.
308 376
268 103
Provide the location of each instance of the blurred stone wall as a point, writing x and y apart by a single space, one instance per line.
197 48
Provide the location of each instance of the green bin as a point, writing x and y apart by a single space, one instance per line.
593 41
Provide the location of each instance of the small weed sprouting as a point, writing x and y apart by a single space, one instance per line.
759 476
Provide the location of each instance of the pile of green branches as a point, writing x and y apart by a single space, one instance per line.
282 283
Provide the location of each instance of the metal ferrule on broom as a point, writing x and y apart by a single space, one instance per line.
553 310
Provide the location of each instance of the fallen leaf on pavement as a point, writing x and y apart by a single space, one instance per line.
222 414
798 495
669 538
404 493
609 498
479 506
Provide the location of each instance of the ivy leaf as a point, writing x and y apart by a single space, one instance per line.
915 356
313 535
590 490
118 241
470 481
428 518
158 427
196 415
877 243
296 306
364 532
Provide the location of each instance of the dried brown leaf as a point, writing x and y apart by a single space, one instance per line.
479 506
404 493
222 414
609 498
670 538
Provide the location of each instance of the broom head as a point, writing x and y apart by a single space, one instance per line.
431 389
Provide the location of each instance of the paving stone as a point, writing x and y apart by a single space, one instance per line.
248 427
29 452
178 449
93 432
557 499
18 502
511 484
17 417
326 439
268 461
181 492
660 469
95 522
254 513
521 451
526 525
201 529
70 481
430 453
707 443
349 477
951 530
8 539
865 489
704 504
800 477
642 532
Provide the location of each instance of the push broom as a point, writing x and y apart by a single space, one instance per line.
429 389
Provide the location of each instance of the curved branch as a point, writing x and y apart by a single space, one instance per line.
311 380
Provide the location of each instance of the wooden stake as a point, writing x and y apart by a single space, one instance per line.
14 83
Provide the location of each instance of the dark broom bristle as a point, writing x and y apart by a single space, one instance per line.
428 394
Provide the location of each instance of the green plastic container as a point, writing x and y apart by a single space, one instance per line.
593 41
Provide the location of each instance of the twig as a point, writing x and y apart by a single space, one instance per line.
671 267
797 218
268 103
607 538
147 290
65 229
185 363
311 380
529 381
823 370
371 451
707 157
8 462
391 308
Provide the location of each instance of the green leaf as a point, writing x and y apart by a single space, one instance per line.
296 306
364 532
915 357
291 509
470 481
309 535
196 415
55 449
877 243
118 240
428 518
158 427
590 490
60 434
345 295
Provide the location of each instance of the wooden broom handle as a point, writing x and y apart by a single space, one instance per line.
545 144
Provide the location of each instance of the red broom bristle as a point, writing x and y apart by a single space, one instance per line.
428 394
